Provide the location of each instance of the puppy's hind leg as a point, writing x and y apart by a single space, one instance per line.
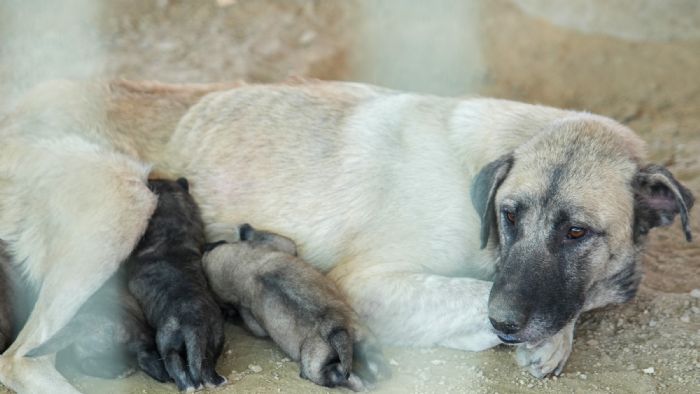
83 214
320 363
252 323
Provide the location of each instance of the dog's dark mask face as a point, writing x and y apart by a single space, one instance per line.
567 237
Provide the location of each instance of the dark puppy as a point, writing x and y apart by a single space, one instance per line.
165 276
108 337
280 295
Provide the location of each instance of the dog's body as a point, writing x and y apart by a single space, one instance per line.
373 184
281 296
165 275
108 337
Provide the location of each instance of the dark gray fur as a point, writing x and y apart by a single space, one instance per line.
280 295
17 298
6 301
165 276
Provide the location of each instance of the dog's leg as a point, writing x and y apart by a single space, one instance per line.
82 211
252 324
549 355
421 309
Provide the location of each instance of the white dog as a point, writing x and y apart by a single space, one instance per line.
373 184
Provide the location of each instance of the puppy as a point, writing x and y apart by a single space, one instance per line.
165 275
108 337
280 295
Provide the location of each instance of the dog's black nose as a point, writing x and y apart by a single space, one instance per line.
507 326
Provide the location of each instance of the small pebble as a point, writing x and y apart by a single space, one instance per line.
648 371
255 368
393 362
583 376
695 293
307 37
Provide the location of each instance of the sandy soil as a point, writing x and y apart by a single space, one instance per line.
652 86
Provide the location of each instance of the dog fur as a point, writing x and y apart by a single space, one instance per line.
109 337
281 296
373 184
165 275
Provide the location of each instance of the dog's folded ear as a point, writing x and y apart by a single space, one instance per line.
483 192
659 197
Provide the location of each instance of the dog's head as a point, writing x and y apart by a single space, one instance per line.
567 214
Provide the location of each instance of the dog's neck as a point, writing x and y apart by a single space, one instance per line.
482 130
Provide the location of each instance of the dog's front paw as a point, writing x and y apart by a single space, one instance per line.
547 356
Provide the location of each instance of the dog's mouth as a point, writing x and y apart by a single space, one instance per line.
534 330
509 339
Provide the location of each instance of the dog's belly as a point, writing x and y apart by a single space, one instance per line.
349 181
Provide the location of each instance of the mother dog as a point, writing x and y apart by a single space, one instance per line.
379 189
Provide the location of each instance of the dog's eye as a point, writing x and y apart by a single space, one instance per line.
511 217
576 233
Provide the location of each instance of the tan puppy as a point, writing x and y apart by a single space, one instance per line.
392 194
281 296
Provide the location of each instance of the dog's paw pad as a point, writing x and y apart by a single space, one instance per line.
546 357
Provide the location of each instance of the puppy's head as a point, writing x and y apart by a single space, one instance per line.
252 239
266 240
176 218
567 214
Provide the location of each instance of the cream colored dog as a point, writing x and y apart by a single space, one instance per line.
378 188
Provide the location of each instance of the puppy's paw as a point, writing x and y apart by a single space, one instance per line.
190 350
547 356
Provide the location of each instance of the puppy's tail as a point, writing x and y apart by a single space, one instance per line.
61 340
341 341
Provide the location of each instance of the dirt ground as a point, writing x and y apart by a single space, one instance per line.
649 345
